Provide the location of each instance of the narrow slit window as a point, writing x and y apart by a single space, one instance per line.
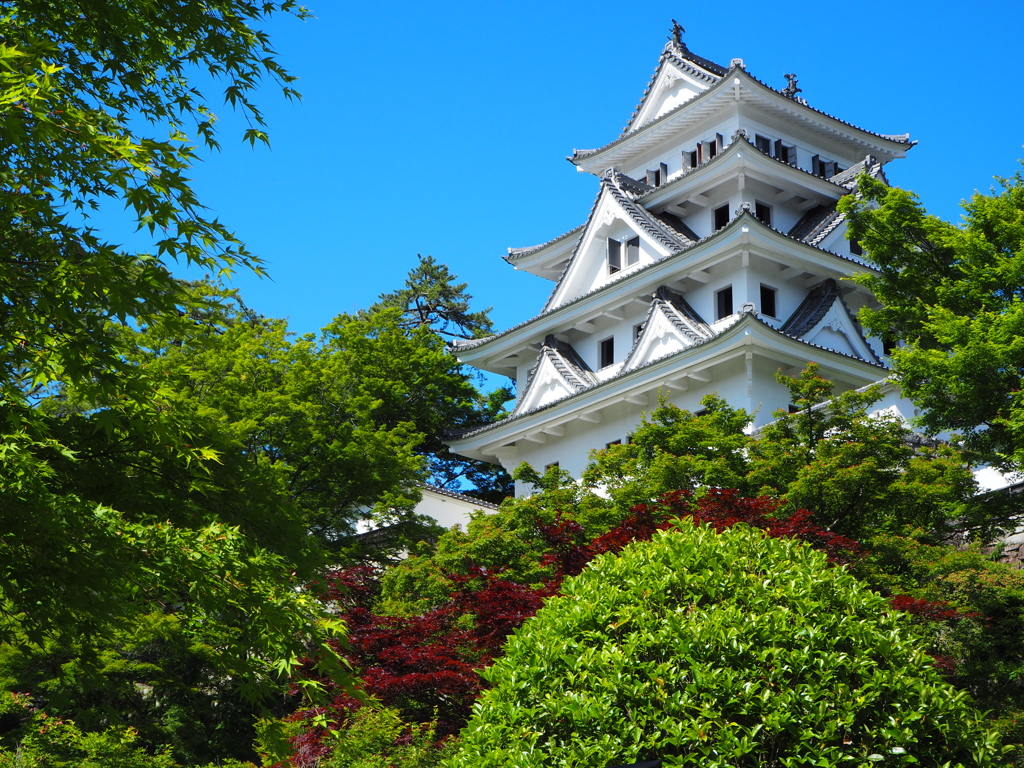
653 177
606 352
763 212
721 217
855 247
768 295
723 302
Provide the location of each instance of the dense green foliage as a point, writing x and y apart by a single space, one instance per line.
378 738
431 299
953 295
719 649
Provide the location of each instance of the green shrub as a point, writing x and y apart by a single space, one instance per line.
713 650
374 739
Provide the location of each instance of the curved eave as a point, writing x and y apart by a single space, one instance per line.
741 231
542 260
618 152
749 331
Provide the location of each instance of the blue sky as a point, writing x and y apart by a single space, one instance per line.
442 128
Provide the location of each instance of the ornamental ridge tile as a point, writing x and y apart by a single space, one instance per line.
579 154
459 344
656 228
812 309
463 434
683 316
812 221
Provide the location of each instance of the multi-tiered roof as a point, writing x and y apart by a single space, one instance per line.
713 255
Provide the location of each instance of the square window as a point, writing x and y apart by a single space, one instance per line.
613 442
768 301
606 352
721 217
763 212
763 143
855 247
723 302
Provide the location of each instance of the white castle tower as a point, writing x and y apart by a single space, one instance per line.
713 257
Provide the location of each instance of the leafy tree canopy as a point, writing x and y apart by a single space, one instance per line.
116 500
953 295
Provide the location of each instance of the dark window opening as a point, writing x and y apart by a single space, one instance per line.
695 157
549 467
763 212
613 442
824 168
606 352
855 247
654 177
638 329
632 251
763 143
721 217
889 343
793 408
768 301
723 302
785 152
701 412
614 256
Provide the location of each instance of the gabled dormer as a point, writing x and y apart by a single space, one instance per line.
823 319
679 77
559 373
671 326
619 237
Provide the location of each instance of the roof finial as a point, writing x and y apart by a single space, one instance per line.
677 34
792 89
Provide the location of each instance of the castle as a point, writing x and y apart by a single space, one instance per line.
713 257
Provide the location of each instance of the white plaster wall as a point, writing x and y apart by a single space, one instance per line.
447 511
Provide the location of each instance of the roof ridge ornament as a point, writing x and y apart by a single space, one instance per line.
792 89
677 34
